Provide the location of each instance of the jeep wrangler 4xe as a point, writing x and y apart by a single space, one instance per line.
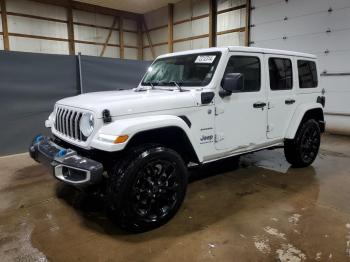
191 108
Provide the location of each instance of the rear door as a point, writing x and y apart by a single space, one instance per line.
241 118
281 94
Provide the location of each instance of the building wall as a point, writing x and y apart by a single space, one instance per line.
194 28
90 31
1 37
185 10
85 33
320 27
24 25
190 31
230 20
155 19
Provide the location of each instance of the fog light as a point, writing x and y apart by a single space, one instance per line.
72 174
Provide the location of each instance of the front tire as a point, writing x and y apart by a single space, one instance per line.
146 189
303 149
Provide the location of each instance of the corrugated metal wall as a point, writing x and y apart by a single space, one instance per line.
320 27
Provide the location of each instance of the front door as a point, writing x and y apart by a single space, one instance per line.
241 118
281 95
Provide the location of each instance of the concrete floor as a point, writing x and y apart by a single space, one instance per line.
262 211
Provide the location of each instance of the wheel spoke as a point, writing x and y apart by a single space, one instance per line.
170 188
309 144
155 190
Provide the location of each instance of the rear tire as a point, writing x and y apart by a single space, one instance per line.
303 149
146 188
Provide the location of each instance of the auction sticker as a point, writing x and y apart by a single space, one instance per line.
205 59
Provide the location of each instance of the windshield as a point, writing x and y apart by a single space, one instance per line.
185 70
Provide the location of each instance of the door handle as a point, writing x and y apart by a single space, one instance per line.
259 105
289 101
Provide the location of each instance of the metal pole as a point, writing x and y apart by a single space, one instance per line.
80 74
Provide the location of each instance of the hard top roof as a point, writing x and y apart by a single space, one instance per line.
242 49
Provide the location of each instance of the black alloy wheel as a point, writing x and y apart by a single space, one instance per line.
303 149
310 143
146 188
155 191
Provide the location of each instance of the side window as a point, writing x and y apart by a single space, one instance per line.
249 67
307 74
281 75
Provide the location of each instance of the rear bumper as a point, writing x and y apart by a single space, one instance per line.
65 164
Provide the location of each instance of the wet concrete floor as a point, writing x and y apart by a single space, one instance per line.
262 210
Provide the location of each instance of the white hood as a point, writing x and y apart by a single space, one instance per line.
131 102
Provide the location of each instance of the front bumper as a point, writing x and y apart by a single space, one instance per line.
65 164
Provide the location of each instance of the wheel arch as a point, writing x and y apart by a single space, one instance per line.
168 130
173 137
303 113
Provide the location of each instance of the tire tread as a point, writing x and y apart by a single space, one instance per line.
292 146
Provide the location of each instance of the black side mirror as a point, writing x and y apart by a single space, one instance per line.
231 83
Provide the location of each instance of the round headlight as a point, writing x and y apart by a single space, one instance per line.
87 124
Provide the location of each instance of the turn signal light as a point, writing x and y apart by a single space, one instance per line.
121 139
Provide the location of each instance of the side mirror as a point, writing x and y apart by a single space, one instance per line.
231 83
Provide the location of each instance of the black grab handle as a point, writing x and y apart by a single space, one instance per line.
259 105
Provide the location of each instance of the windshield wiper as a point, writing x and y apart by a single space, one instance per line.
177 85
153 84
147 83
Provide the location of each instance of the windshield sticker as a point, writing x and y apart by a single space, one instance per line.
205 59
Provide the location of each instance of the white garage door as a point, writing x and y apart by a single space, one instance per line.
320 27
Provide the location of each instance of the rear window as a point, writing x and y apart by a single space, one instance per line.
307 74
281 74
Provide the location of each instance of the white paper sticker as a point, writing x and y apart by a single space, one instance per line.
205 59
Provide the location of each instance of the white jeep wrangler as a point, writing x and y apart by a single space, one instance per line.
190 108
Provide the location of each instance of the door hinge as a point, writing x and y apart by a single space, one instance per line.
219 110
269 128
269 106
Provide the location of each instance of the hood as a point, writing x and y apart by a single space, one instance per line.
128 102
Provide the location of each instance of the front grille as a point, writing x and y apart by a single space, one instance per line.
67 122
